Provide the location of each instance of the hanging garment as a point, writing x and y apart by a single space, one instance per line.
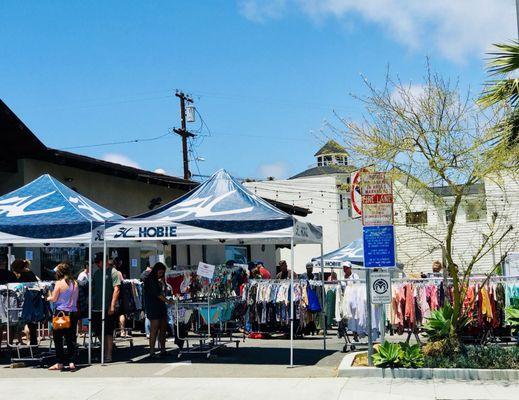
35 307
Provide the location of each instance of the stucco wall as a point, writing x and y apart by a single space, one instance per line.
123 196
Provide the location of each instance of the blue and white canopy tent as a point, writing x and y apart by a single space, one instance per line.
45 212
221 211
352 252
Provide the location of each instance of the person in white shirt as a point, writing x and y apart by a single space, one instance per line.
348 273
83 275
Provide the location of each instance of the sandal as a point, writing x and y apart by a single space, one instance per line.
56 367
72 367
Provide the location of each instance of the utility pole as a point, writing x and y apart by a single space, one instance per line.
183 132
517 14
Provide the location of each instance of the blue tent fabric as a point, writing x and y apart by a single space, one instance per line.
220 209
222 204
352 252
47 209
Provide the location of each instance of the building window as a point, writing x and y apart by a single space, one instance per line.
237 253
341 202
349 208
416 218
475 210
448 213
320 161
327 160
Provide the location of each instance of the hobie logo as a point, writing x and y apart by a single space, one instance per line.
123 232
95 214
147 232
17 206
203 207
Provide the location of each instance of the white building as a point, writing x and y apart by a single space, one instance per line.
421 219
324 190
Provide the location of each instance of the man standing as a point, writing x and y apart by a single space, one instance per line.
309 274
284 272
264 272
348 273
113 286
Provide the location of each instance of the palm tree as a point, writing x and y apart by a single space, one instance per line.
504 87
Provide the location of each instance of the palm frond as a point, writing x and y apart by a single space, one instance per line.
500 90
504 61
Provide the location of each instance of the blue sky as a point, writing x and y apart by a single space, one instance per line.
265 74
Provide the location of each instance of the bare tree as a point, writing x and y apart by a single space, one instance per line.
429 135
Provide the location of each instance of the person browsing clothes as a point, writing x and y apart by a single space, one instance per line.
64 296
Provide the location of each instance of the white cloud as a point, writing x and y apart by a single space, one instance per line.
412 92
120 159
278 170
160 171
259 11
454 28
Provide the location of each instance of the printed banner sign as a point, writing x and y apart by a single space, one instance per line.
377 214
205 270
380 287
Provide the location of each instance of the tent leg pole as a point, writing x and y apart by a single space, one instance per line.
368 307
103 312
292 259
323 296
9 253
90 303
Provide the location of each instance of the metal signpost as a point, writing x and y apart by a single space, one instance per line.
379 241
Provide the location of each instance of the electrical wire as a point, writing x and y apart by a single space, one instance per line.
117 143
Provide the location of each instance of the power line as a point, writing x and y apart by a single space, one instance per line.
117 143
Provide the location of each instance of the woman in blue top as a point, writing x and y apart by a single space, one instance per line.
64 296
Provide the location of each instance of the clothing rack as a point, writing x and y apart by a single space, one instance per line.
207 343
39 285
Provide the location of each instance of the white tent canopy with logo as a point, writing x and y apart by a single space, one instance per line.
219 211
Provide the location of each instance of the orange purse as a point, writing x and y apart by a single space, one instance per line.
60 321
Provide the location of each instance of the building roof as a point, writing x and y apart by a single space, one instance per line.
325 170
20 142
288 208
331 147
447 191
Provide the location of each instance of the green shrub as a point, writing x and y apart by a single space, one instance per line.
412 356
402 355
439 324
512 318
480 357
388 355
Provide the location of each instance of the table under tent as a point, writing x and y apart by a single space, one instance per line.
46 213
219 211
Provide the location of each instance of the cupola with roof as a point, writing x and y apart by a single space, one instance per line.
332 159
332 153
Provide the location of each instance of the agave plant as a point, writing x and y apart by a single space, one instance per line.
512 317
412 356
439 324
388 355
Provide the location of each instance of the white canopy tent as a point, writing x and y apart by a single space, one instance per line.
219 211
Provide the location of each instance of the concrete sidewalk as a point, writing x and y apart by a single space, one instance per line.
250 389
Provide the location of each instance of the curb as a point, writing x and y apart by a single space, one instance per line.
346 370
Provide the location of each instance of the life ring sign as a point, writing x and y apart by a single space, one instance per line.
355 195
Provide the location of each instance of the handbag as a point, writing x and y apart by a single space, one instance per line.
60 321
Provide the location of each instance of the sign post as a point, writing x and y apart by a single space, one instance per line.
379 241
